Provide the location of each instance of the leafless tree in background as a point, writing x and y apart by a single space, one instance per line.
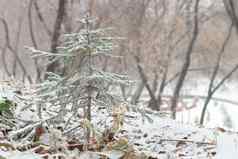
61 12
231 9
187 61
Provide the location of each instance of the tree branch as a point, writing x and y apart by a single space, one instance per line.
33 38
42 20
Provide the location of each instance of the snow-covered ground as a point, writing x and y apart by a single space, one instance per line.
164 138
219 114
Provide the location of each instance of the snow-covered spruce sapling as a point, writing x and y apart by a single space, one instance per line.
84 85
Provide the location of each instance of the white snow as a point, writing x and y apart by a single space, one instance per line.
227 146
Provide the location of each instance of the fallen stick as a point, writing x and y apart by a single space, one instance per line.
190 141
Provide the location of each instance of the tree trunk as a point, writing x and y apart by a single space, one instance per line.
138 92
187 62
205 108
56 33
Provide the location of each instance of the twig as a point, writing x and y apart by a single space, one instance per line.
189 141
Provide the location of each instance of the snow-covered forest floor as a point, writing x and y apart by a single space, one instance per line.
222 110
125 133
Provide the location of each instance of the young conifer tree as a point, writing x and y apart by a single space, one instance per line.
83 85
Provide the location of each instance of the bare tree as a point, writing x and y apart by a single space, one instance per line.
33 38
153 102
231 7
61 12
13 50
187 62
212 87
